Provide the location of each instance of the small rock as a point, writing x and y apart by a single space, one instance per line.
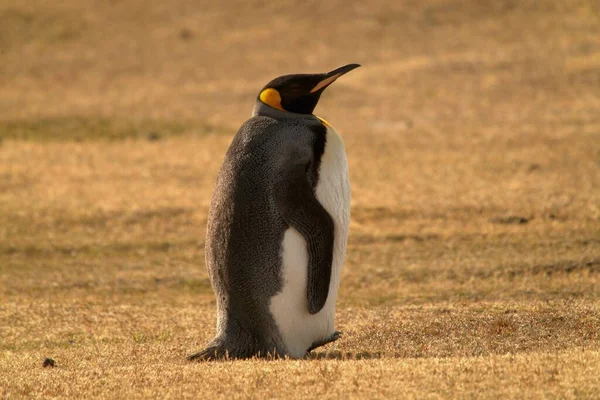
510 220
185 34
153 136
49 363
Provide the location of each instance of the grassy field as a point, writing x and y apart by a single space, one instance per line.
473 137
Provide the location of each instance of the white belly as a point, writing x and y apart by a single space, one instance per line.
299 329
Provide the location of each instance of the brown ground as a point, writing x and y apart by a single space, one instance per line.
472 131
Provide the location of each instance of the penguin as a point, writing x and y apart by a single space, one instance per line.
278 226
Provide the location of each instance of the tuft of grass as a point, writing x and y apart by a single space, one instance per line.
21 25
79 128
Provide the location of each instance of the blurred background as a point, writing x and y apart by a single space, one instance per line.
504 87
473 136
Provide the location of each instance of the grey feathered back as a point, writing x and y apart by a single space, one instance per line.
245 231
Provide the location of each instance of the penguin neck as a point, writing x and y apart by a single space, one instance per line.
261 108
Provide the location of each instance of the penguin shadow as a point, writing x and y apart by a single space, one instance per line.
343 356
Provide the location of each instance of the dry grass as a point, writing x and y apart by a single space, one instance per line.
472 131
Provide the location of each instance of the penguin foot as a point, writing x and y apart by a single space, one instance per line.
220 349
209 354
335 336
213 353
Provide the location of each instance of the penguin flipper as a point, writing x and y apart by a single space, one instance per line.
300 209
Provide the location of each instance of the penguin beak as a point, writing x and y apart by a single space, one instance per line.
330 77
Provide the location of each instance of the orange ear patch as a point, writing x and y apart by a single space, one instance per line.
271 97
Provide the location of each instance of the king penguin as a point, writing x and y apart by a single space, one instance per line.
278 226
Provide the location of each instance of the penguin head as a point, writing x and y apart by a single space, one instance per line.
300 93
